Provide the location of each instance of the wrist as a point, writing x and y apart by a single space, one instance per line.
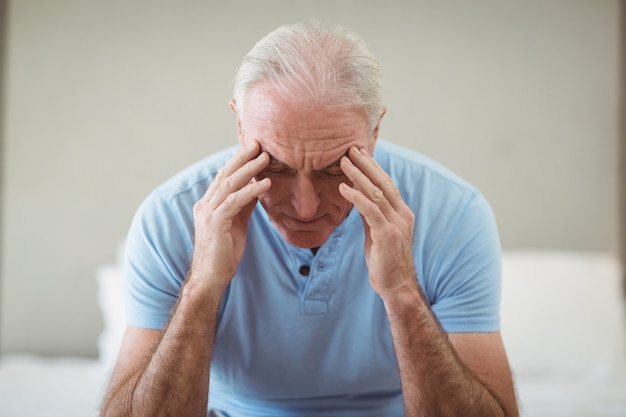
405 299
203 288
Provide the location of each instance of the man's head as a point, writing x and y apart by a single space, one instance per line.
307 93
314 62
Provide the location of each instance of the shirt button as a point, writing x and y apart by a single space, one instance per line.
304 270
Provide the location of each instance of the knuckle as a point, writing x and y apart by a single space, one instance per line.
198 207
378 196
388 184
230 201
410 218
225 183
407 214
200 213
380 200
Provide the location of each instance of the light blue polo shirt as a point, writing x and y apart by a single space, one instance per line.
305 335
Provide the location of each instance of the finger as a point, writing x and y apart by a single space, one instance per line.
225 184
243 175
242 199
367 188
377 176
241 157
371 213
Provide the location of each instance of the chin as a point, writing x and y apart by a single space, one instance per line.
305 240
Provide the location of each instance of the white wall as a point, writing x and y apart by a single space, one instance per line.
106 99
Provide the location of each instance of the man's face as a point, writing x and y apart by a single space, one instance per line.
305 145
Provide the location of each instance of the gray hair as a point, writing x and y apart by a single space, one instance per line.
314 62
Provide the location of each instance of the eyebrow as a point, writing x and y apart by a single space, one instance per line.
276 161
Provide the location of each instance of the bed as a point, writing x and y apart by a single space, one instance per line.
37 386
564 328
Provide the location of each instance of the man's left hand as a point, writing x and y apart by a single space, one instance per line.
388 223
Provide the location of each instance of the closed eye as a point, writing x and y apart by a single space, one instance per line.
276 167
334 171
276 170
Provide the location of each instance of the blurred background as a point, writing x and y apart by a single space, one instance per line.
104 100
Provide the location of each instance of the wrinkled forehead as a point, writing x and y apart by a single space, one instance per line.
318 159
301 151
292 131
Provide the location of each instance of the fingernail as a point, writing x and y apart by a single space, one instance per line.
356 150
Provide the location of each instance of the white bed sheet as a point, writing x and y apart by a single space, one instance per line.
574 398
34 386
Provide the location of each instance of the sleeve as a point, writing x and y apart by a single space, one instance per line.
158 255
464 280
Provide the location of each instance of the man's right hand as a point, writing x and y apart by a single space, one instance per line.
177 360
221 217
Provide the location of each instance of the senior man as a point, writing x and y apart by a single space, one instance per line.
313 270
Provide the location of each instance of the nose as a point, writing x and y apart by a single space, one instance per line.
305 197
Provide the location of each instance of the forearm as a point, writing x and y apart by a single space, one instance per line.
173 378
434 380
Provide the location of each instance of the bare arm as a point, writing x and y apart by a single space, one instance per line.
166 373
447 375
460 375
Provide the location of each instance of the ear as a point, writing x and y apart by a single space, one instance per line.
374 137
233 107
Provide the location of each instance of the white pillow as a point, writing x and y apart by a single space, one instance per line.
111 302
563 314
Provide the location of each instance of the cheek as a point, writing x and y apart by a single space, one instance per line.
331 192
278 192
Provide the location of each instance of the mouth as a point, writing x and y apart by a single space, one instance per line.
295 223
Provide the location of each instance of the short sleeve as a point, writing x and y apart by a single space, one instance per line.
158 253
159 246
465 282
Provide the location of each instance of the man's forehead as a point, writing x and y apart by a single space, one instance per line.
281 119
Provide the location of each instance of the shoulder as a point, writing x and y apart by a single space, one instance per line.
420 178
195 177
176 196
186 187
